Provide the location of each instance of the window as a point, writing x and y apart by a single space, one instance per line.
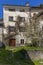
22 10
22 29
12 29
22 41
11 9
42 28
1 24
22 18
34 14
10 18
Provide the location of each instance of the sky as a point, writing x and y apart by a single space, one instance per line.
18 2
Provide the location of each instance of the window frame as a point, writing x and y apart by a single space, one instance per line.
11 9
12 28
22 41
1 24
21 29
10 18
22 10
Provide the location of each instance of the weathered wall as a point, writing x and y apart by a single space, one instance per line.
18 39
7 13
35 54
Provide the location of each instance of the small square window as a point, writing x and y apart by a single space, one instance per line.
11 9
22 41
22 29
1 25
22 19
12 29
22 10
10 18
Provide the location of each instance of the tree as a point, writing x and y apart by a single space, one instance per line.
36 33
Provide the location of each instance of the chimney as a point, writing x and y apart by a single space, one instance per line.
27 4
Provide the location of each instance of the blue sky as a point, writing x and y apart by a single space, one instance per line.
18 2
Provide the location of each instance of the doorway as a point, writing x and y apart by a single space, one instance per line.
12 42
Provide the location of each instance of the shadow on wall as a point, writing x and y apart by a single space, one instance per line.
15 58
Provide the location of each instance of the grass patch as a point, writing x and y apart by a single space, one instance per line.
15 49
38 62
13 56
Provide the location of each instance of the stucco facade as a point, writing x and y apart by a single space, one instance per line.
15 11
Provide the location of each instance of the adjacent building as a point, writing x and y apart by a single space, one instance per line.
1 31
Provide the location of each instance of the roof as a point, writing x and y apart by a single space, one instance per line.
40 7
15 5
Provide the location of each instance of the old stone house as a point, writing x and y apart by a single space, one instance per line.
14 35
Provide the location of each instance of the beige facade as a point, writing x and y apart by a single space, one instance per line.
10 14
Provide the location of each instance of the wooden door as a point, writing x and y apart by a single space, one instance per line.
12 42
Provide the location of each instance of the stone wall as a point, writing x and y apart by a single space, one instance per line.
35 54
